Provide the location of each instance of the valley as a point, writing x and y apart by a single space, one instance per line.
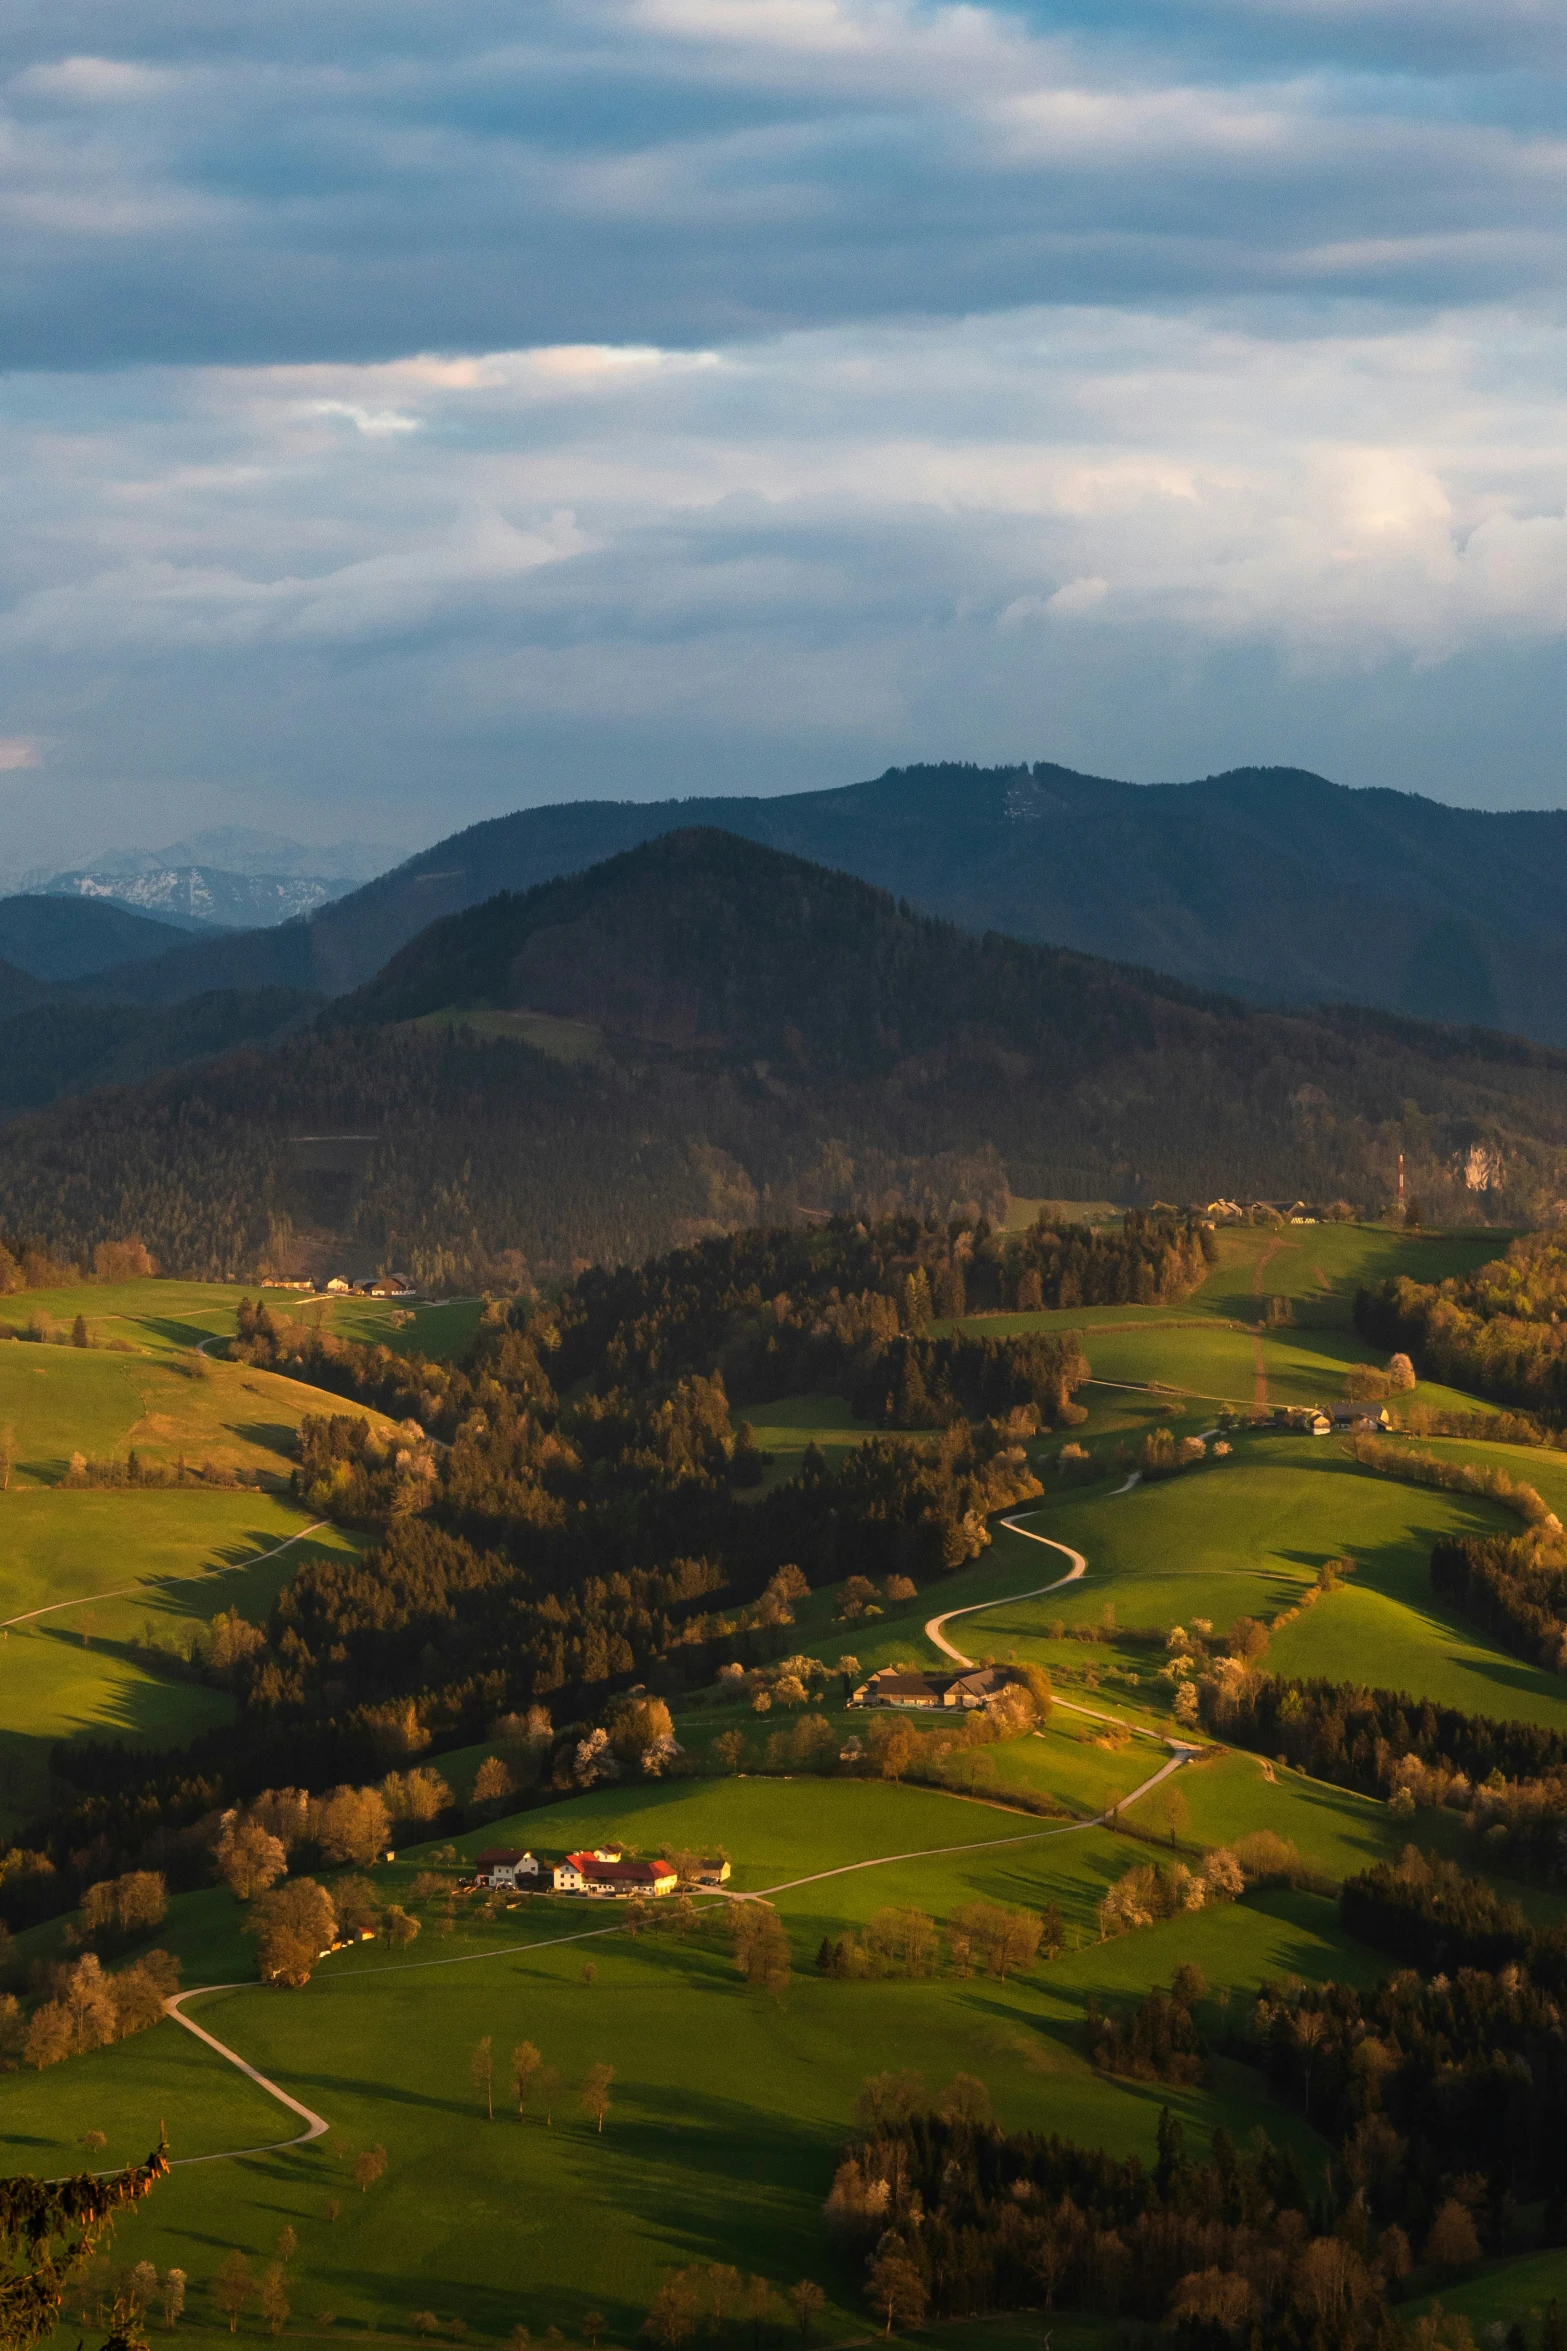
730 2102
776 1330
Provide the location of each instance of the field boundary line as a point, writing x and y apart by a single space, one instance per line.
156 1583
1182 1754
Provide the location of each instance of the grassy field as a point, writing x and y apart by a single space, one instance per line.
444 1329
1317 1268
1211 1346
1320 1266
1246 1537
786 1428
118 1576
158 1317
727 2110
507 2221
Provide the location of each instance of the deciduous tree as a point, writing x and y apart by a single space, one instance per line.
293 1925
595 2093
481 2072
233 2287
1452 2242
525 2064
897 2291
807 2301
273 2297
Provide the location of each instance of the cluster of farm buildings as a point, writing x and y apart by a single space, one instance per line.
604 1872
385 1285
952 1692
1308 1420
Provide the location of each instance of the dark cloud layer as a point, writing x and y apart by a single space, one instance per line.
410 411
185 182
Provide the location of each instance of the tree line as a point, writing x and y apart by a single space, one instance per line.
1429 1914
1357 1737
1437 2096
1497 1331
1513 1587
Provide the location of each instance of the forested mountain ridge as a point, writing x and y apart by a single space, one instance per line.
751 1037
1269 882
66 938
54 1045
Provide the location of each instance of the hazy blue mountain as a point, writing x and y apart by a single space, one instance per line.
1271 883
65 938
229 878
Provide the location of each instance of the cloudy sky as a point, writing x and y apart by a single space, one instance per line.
413 410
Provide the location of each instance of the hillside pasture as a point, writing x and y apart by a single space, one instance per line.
1320 1267
1208 1361
104 1580
60 1400
787 1427
727 2110
1247 1536
157 1317
443 1328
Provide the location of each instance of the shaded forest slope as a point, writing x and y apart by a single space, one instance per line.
751 1036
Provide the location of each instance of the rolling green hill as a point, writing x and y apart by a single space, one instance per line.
728 2109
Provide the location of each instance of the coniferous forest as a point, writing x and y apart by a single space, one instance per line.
703 1034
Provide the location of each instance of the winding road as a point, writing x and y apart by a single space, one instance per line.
1180 1753
315 2124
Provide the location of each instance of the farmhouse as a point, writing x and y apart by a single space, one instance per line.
933 1692
1302 1420
1360 1416
610 1876
506 1865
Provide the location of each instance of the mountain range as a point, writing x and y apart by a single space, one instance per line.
702 1032
1271 884
229 878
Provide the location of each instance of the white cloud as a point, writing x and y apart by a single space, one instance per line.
365 420
1078 596
1338 502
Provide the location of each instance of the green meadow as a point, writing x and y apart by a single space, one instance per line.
159 1317
787 1428
63 1400
94 1584
1321 1266
727 2110
1246 1536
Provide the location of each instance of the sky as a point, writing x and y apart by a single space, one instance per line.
413 411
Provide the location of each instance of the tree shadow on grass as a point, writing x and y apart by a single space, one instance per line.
271 1436
176 1333
143 1706
24 1774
